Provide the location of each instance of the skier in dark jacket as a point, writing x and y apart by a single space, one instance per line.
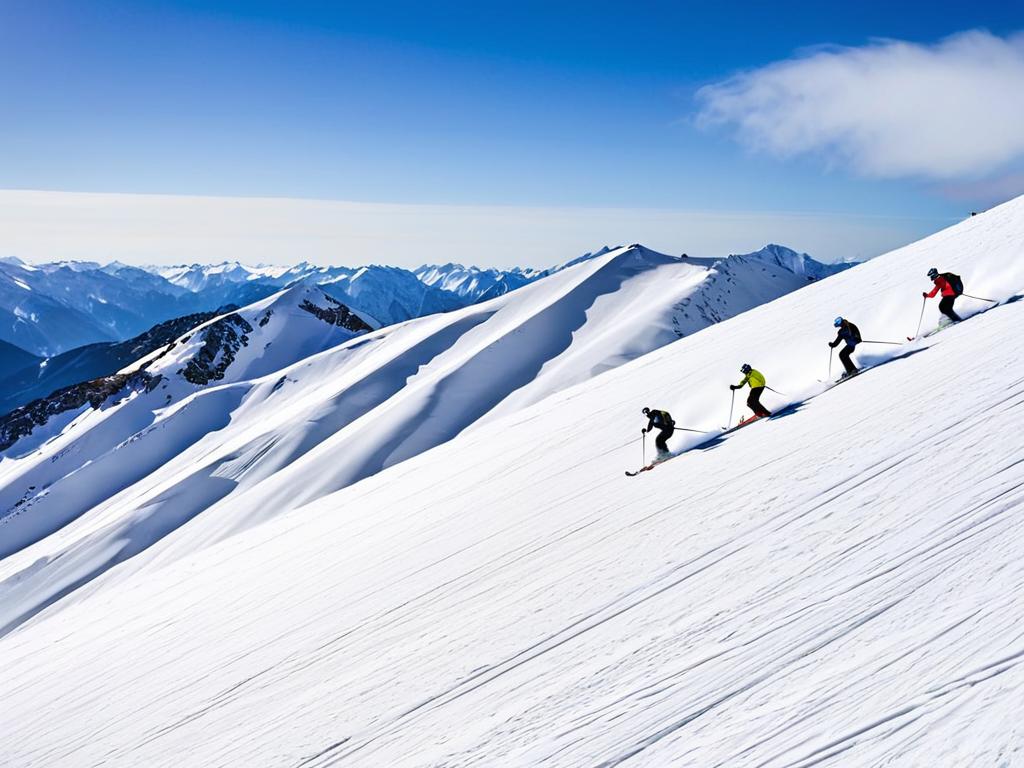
662 421
849 333
951 286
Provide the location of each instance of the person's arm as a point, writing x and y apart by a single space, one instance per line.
650 424
934 290
741 384
839 337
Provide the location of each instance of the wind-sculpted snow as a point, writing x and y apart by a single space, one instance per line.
838 585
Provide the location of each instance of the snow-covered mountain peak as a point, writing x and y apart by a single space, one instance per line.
271 334
797 263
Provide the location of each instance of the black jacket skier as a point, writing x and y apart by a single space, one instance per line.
662 421
849 333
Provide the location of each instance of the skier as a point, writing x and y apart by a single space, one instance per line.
849 333
951 286
757 384
661 420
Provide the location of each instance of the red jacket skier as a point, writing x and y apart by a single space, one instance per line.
949 292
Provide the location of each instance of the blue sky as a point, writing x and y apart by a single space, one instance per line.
526 105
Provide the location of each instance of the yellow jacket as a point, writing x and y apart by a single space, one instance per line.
754 379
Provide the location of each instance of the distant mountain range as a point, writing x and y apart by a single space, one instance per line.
56 306
47 309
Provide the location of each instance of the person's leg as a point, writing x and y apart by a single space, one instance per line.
946 308
754 402
844 356
660 442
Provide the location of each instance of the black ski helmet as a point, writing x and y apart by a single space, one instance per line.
646 411
745 368
933 273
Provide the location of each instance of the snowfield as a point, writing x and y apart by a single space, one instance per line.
839 585
299 414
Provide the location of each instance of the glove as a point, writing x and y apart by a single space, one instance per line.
832 344
925 294
643 431
733 387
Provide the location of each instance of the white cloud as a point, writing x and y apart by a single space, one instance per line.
169 229
889 109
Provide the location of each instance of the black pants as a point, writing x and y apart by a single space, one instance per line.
661 440
946 308
847 362
754 402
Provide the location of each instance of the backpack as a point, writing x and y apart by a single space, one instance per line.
665 418
855 331
954 282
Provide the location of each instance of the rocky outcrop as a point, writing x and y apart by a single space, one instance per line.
336 314
94 361
21 421
97 390
221 342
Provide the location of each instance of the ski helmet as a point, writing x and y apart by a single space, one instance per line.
933 273
646 411
838 321
745 368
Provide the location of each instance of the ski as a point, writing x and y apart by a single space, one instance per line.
846 378
742 424
994 304
650 466
931 332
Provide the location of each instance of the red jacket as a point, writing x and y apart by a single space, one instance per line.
941 284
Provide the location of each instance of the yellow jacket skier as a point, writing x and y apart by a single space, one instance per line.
757 384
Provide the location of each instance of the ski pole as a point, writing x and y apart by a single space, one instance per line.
731 404
684 429
924 303
831 351
990 301
782 394
643 450
896 343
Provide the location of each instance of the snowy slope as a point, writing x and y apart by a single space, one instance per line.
838 586
225 455
181 392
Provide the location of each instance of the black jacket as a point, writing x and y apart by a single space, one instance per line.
849 333
660 420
